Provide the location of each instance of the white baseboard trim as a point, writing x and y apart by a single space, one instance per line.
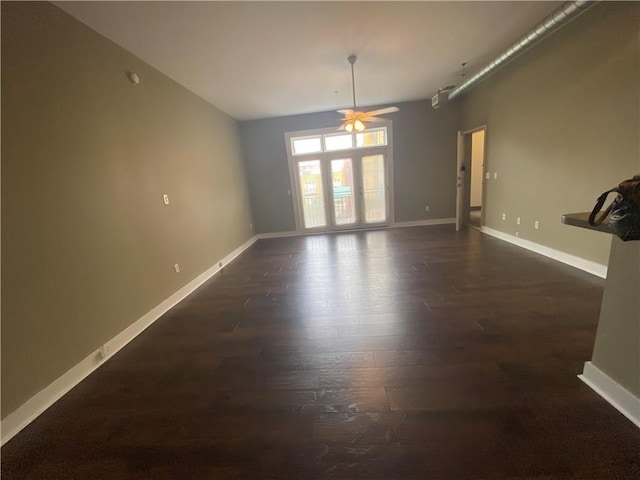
37 404
619 397
278 235
580 263
419 223
423 223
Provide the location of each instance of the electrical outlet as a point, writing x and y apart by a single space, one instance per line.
251 226
504 216
426 209
536 224
517 234
177 268
487 175
518 221
165 199
495 175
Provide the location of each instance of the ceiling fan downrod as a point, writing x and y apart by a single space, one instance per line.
352 60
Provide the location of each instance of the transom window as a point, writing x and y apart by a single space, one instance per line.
334 142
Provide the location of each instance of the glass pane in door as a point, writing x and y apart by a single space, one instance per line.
310 175
373 189
343 201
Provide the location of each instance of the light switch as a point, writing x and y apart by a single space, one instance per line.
165 198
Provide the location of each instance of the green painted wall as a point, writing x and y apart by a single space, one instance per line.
88 246
617 348
563 126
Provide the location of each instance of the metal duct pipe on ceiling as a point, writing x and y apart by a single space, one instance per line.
551 23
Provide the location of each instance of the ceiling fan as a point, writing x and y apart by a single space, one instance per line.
355 120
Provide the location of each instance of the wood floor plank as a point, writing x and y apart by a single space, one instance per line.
413 353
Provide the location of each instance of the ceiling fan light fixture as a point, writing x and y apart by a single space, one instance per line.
356 125
354 119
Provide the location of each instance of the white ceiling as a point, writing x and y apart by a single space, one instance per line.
266 59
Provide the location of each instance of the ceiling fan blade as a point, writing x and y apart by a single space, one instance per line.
375 119
345 111
383 111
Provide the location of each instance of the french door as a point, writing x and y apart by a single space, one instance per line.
342 191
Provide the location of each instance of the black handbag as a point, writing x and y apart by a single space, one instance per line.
624 211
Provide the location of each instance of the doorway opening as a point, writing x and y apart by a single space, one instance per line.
470 177
476 178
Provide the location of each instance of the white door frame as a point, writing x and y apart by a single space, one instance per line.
325 157
356 157
459 181
463 173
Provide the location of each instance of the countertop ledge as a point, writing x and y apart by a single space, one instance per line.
581 219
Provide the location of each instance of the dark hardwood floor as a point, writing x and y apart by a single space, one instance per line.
415 353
